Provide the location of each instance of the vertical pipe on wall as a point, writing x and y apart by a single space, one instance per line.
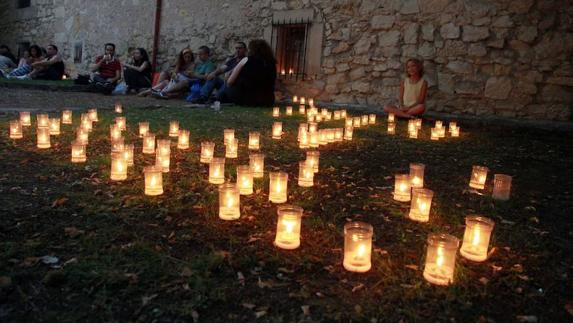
158 6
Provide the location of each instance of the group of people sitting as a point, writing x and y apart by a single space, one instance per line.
35 63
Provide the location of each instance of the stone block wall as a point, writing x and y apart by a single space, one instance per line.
482 57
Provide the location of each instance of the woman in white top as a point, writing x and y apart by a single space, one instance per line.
413 91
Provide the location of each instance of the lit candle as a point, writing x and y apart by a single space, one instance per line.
305 174
441 259
441 132
92 115
288 226
128 154
357 246
85 122
289 110
453 124
118 167
372 119
118 107
174 128
148 143
303 139
43 137
163 156
364 120
478 178
257 165
290 71
117 145
322 137
356 122
348 122
301 109
277 130
455 132
15 130
114 132
164 146
438 124
435 134
391 118
328 116
348 133
313 159
313 141
121 123
67 117
476 238
143 129
183 139
501 187
337 115
78 152
278 187
343 114
295 99
245 179
418 123
302 100
312 127
402 188
283 72
412 125
217 170
82 135
153 180
302 128
318 117
254 140
311 102
324 112
43 121
413 134
338 134
276 112
228 135
229 202
329 135
231 148
417 175
391 128
207 150
421 204
25 119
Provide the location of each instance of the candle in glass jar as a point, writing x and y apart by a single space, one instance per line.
118 107
324 112
391 128
371 118
228 135
82 135
117 145
478 178
343 114
254 140
232 148
25 119
16 130
78 152
348 122
412 126
277 130
301 109
413 134
310 118
336 115
312 127
322 137
434 135
86 123
278 187
276 112
118 167
305 174
257 164
364 120
501 187
217 170
164 146
67 117
43 121
357 246
356 122
92 115
438 124
148 143
338 134
303 140
418 123
43 138
245 179
453 124
229 202
455 132
441 259
313 159
328 116
114 132
329 135
348 131
289 110
288 227
121 123
421 204
441 132
302 100
311 102
207 150
390 117
402 188
417 175
143 129
183 139
295 99
173 128
153 180
476 238
128 154
313 140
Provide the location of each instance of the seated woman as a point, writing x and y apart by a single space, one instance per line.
50 68
413 91
252 82
137 72
25 65
182 71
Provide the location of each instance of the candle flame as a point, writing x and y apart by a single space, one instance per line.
422 206
403 187
476 237
230 201
440 258
289 226
416 180
153 181
361 250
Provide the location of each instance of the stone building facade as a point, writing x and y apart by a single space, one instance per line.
510 58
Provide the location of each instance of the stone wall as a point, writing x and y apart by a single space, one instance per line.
500 57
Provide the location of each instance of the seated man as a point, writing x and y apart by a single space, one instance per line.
107 69
213 81
7 62
50 68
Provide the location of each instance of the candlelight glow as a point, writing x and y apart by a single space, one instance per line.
118 107
336 115
217 170
289 110
43 138
391 118
207 150
16 130
174 128
348 131
305 174
278 187
476 238
254 140
478 177
118 167
67 117
149 143
257 164
128 154
441 259
143 129
372 119
421 204
228 135
301 109
391 128
153 181
121 123
277 130
357 247
402 188
183 139
276 112
288 227
313 159
501 187
92 115
43 121
417 175
78 152
25 119
232 148
229 202
245 180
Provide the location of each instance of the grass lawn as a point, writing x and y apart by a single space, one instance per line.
75 246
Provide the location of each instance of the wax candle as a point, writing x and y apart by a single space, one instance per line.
43 120
16 130
402 187
357 246
257 164
207 150
305 174
254 140
25 119
277 130
501 187
43 138
228 135
232 148
441 259
417 175
338 134
153 180
356 122
118 107
336 115
217 170
114 132
245 179
391 118
143 129
479 176
148 143
288 226
67 117
229 202
128 154
78 152
348 133
82 135
118 167
289 110
174 128
391 128
476 238
434 135
313 159
276 112
278 187
421 204
92 115
183 139
121 123
371 118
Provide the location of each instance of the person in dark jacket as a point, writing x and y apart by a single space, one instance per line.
137 72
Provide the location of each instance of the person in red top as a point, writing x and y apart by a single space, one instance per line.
107 69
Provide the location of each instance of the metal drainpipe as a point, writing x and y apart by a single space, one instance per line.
158 6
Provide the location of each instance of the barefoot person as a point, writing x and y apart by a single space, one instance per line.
413 91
